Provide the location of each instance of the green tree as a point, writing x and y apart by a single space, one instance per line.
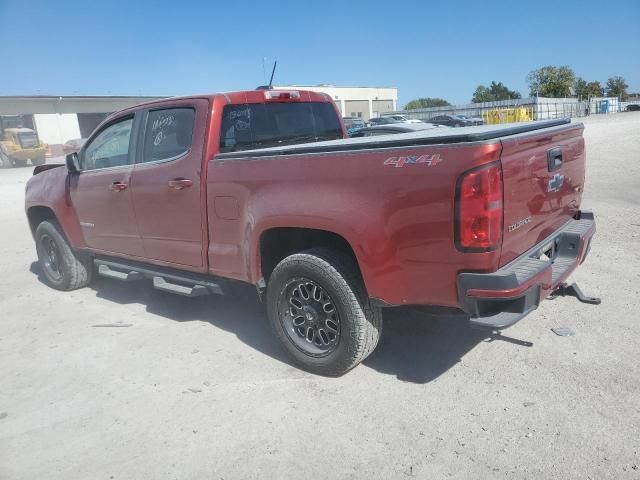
426 103
580 87
495 91
584 89
551 81
482 94
617 87
594 89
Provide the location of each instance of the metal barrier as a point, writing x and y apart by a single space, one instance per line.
521 110
553 110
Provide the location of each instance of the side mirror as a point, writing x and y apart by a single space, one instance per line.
73 162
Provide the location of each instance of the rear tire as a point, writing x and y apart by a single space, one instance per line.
61 268
318 308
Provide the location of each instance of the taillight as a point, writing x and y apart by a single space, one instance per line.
479 209
281 95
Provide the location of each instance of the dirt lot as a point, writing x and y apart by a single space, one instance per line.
201 389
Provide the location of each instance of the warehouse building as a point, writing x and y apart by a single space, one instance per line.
58 119
361 102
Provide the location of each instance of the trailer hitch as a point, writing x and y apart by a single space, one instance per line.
565 290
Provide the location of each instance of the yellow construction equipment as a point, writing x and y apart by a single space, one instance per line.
508 115
19 145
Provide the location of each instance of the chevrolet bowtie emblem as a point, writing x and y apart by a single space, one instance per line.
555 184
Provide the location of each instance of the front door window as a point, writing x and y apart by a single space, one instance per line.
110 148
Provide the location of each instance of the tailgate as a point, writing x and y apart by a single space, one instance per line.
543 174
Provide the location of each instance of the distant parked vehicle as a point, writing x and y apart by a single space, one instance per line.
348 121
353 124
73 145
455 121
394 128
383 121
633 108
404 119
475 120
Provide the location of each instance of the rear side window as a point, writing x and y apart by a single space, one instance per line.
168 134
261 125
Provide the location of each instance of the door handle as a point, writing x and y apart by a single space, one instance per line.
180 183
554 159
118 186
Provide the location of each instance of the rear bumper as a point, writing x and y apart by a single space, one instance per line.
499 299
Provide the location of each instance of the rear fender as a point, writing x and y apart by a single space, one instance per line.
324 212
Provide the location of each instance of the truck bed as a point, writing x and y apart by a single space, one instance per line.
423 137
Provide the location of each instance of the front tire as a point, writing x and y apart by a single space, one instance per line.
61 268
5 161
318 308
38 161
19 163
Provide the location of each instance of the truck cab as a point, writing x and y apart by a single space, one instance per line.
139 192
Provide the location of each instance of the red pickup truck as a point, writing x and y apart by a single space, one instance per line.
263 187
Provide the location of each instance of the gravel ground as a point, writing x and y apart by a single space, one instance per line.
200 388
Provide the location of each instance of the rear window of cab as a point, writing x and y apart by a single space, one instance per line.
261 125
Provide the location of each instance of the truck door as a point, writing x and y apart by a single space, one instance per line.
101 193
167 183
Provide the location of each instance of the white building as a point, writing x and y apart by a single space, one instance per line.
58 119
362 102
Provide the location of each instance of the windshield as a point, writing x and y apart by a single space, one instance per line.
261 125
28 139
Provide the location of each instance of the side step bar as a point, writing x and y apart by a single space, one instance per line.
160 283
130 276
180 283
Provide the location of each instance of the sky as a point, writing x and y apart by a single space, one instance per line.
425 49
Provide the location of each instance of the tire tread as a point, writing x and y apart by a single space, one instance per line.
79 272
348 281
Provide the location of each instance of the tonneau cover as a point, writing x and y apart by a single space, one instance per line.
423 137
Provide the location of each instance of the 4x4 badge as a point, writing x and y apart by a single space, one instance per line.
555 184
399 162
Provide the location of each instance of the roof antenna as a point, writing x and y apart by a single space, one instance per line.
264 73
275 64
